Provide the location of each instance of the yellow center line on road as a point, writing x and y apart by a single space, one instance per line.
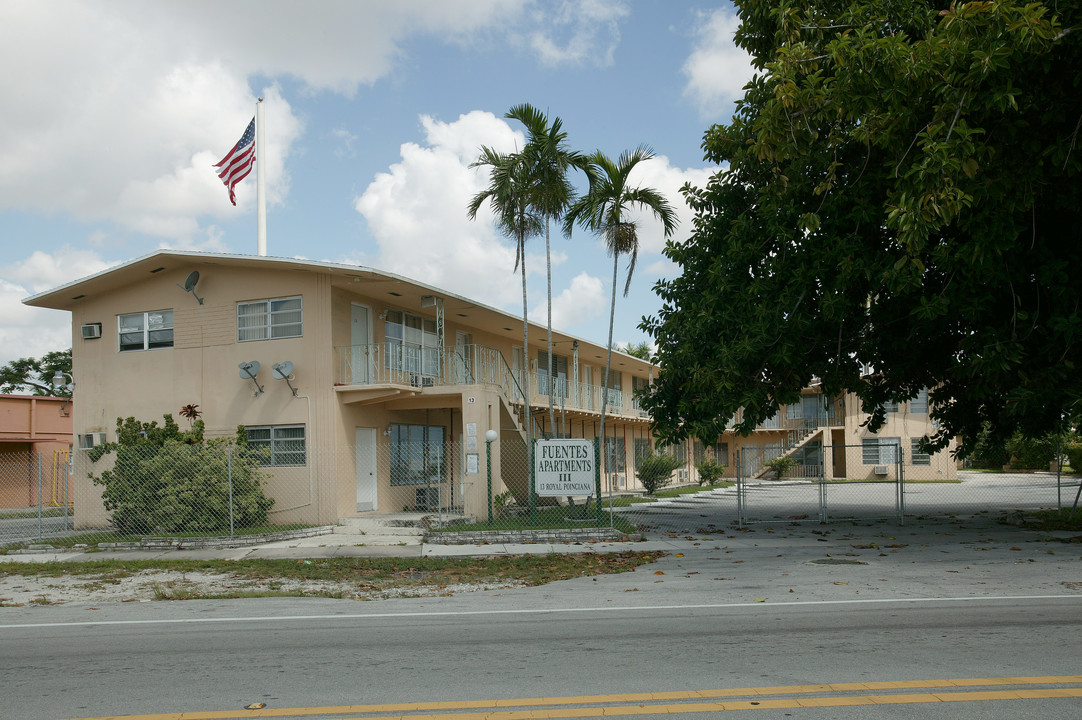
656 703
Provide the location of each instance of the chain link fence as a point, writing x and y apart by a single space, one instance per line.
217 489
35 495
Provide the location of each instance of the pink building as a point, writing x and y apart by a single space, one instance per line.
35 437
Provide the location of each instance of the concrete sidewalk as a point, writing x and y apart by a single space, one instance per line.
804 540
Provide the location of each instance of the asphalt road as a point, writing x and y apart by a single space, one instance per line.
617 636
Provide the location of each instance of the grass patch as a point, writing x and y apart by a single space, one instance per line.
1048 520
31 513
628 500
688 490
106 535
362 573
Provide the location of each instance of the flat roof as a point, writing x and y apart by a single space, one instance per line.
69 295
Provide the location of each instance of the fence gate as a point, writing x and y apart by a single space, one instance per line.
833 483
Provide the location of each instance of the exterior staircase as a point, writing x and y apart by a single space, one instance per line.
797 439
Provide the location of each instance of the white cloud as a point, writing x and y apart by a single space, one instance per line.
578 32
31 332
417 213
124 106
717 69
577 305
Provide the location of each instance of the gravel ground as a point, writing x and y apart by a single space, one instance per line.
148 585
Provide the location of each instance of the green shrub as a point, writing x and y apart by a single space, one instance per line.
1073 451
1029 453
168 481
654 471
781 465
987 453
710 472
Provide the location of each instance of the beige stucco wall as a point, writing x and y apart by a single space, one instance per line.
202 368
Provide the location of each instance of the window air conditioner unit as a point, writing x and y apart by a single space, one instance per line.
417 380
427 498
880 470
91 331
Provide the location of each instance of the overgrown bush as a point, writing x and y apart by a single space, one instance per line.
781 465
655 471
710 472
1073 451
987 453
1029 453
166 480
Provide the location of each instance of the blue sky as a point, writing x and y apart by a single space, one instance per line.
374 112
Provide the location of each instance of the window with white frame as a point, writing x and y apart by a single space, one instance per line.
281 445
145 330
269 319
918 405
918 456
880 450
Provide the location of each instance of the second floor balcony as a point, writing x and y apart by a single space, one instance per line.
424 368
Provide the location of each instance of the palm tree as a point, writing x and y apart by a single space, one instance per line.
507 191
604 210
549 195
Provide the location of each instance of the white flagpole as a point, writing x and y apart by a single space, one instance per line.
260 179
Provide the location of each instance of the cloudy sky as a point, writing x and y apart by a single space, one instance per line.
374 111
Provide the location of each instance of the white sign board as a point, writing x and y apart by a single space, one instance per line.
564 467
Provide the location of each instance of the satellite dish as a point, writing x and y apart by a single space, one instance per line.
189 286
248 371
283 370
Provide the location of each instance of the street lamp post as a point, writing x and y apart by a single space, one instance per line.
490 437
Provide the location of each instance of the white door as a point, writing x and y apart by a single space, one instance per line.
366 468
361 340
588 384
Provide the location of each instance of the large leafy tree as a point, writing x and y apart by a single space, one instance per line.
548 159
900 189
507 193
606 209
36 374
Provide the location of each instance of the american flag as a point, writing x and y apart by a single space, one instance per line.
238 162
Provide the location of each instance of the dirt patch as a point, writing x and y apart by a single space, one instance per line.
149 585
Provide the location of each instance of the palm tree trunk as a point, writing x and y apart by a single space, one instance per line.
527 415
608 366
551 384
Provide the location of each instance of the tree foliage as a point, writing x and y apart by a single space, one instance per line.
167 480
899 187
14 375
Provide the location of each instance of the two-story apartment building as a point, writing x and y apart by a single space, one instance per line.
828 436
369 391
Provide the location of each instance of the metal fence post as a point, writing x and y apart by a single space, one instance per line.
597 481
229 472
39 496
